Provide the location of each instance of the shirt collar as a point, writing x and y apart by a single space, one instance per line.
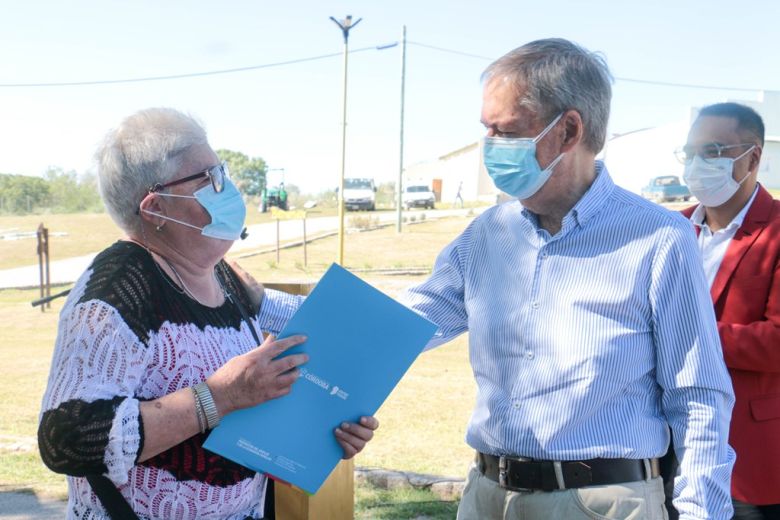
589 204
698 215
594 199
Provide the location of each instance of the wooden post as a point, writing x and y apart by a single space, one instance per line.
42 234
335 500
277 242
305 257
48 272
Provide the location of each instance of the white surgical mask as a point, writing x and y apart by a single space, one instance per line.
712 180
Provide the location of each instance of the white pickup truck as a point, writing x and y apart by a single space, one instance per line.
359 194
418 196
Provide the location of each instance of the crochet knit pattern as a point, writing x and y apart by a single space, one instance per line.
126 335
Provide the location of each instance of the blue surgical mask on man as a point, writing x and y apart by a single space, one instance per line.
511 163
226 209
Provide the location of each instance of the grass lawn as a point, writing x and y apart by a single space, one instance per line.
400 504
422 422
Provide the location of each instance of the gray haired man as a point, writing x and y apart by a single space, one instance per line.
590 327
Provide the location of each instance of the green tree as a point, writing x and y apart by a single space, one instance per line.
247 172
21 194
70 193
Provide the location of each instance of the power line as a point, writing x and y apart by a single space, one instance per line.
617 78
450 51
333 55
687 85
183 76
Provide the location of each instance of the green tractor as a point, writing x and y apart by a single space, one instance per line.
273 194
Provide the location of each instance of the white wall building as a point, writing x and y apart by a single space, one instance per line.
634 158
462 167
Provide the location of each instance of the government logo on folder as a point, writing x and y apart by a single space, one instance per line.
360 342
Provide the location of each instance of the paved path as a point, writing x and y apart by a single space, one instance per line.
27 506
260 236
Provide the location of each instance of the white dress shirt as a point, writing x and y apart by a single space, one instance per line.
713 245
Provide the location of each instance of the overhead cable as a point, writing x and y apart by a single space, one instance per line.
336 54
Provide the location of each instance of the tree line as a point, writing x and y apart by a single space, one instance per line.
60 191
57 191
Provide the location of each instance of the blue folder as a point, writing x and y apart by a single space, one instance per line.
360 343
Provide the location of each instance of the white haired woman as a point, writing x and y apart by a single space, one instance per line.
153 345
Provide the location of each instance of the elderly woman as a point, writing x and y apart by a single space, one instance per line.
152 348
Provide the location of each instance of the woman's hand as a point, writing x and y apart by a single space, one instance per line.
256 377
353 437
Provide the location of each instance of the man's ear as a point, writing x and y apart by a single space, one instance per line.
150 208
755 158
573 130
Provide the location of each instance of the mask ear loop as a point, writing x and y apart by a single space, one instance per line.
740 156
555 162
548 128
164 217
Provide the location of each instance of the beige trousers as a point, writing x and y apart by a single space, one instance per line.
483 499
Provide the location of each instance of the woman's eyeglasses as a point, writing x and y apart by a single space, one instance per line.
216 175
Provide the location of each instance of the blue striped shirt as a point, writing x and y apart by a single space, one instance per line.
592 342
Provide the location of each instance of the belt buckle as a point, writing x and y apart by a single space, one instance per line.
502 480
503 476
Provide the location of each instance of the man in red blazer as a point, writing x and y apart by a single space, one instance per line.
738 225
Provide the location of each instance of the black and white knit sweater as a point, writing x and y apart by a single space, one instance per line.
128 334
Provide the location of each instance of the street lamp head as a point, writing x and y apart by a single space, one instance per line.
345 25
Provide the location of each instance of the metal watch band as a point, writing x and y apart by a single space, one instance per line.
199 413
207 401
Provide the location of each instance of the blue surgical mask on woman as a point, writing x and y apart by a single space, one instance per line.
226 209
511 163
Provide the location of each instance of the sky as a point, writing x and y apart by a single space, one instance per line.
290 114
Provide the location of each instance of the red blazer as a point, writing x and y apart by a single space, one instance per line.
746 295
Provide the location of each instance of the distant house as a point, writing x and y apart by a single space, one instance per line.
461 168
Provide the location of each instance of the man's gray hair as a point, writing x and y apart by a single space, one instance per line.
558 75
147 148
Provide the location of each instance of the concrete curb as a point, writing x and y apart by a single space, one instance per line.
445 488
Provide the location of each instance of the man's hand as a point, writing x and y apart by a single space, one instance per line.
253 288
353 437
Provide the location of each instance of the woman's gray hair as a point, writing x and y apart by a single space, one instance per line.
558 75
147 148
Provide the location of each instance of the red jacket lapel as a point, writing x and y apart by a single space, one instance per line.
748 232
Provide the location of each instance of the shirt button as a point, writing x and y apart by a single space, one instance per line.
529 355
544 254
516 404
534 305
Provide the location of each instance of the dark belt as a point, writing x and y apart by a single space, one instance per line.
519 474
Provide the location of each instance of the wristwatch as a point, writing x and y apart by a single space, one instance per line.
203 393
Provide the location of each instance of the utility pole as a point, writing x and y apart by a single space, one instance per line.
399 185
345 25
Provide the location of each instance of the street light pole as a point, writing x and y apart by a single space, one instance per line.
345 25
399 186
